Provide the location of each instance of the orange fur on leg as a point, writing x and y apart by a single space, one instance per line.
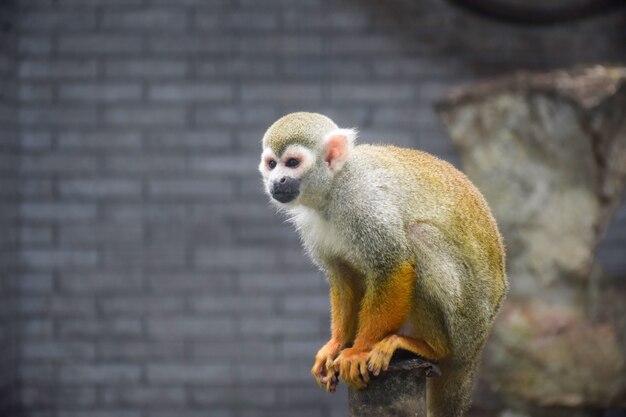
384 308
344 310
343 326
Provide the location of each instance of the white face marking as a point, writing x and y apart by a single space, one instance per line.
304 156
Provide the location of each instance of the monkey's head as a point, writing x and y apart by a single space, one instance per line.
302 153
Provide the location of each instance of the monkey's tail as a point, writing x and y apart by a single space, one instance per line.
448 395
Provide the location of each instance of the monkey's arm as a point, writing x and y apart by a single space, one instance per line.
344 304
344 301
384 308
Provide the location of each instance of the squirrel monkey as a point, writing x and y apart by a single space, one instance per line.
412 253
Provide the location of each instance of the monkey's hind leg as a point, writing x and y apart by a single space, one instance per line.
380 356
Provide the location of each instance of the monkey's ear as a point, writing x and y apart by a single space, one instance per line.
337 147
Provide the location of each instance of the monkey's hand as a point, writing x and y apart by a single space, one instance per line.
352 367
323 370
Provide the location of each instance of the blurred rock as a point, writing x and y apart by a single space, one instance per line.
549 153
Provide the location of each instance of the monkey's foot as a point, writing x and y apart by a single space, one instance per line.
380 356
323 370
352 367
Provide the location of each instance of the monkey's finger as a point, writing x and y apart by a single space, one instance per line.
371 360
318 365
331 384
331 374
373 363
364 373
329 368
319 378
353 384
336 365
316 375
386 360
333 388
341 369
386 363
344 372
355 375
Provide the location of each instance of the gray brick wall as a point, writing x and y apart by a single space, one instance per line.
156 281
9 209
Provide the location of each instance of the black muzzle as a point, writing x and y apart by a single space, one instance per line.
286 189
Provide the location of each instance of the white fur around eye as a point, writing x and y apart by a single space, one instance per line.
304 155
265 156
299 152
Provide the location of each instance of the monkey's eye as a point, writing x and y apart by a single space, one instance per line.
292 163
271 163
